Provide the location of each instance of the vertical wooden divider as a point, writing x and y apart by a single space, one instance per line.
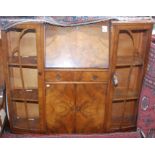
114 35
41 85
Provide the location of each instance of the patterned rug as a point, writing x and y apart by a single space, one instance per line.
9 21
146 117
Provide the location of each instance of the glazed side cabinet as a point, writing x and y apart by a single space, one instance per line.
79 79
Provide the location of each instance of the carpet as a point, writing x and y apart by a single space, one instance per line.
146 114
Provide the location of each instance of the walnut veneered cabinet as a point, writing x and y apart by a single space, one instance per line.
78 79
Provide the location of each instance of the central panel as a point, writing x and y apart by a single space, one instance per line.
76 76
85 46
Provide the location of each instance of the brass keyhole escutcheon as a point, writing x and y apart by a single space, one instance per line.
58 77
94 77
78 109
39 73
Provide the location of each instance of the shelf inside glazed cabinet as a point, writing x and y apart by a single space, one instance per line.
23 123
120 94
127 61
125 127
26 61
27 95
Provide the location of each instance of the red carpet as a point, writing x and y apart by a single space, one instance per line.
109 135
146 114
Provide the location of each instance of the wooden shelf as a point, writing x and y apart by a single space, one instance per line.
127 119
23 123
120 94
126 61
117 128
28 95
27 62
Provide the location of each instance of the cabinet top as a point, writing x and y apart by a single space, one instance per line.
7 21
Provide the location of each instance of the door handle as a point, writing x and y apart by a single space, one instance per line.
48 85
115 79
1 95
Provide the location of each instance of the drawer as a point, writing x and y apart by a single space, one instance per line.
57 76
91 76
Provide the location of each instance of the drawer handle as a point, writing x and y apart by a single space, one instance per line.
94 77
58 77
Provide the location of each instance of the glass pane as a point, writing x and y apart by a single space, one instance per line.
22 45
135 80
30 78
22 56
132 44
130 109
27 42
26 116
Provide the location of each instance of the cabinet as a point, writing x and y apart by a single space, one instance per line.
75 79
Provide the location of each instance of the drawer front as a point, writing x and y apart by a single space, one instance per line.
76 76
91 76
57 76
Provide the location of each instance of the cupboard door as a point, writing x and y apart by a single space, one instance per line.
22 57
90 107
129 50
60 108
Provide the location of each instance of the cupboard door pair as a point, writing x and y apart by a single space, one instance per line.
75 108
